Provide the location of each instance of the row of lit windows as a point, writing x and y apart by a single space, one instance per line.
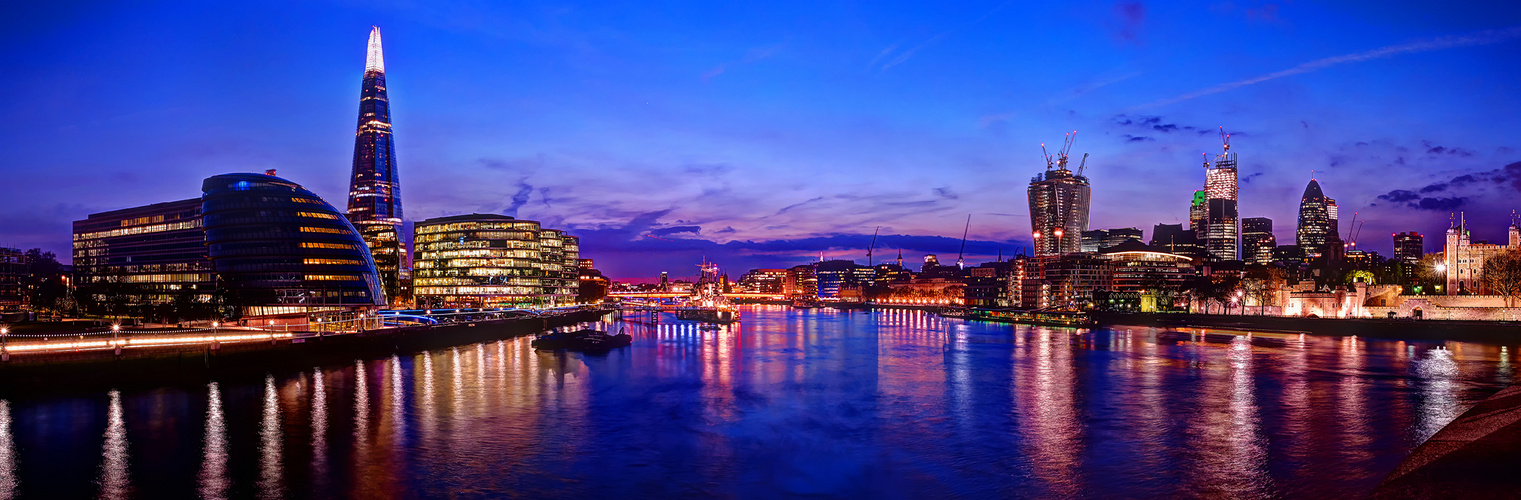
476 290
334 277
318 215
330 246
328 230
156 228
332 262
520 281
467 226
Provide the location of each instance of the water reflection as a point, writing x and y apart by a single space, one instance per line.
213 477
1439 400
271 484
792 403
113 468
319 428
7 454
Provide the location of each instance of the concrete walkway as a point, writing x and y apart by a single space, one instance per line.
1478 455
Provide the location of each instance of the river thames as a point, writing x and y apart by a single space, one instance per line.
883 404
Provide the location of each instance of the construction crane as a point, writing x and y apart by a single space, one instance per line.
959 263
1045 155
1350 237
1082 164
1061 157
1226 139
1206 160
873 245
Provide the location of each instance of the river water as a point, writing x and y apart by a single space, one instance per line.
886 404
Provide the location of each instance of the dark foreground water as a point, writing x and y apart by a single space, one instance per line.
788 403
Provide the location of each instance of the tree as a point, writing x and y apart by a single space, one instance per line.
1261 283
1502 275
1426 274
45 286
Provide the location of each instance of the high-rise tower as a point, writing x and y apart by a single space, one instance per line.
374 189
1317 220
1222 223
1059 201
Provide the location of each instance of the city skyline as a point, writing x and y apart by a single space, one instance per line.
654 186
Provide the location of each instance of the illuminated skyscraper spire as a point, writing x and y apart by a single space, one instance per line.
373 60
374 189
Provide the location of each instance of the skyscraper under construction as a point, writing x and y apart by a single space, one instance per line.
1222 223
374 191
1059 201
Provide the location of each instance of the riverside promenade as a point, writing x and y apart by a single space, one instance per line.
147 356
1495 332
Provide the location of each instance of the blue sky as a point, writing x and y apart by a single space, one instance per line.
759 135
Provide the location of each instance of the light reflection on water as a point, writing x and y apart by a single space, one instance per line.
114 482
213 477
814 402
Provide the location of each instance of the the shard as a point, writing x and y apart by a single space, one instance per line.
374 189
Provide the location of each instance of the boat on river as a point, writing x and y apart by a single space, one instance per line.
584 340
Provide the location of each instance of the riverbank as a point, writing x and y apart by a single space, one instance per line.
44 370
1399 329
1475 456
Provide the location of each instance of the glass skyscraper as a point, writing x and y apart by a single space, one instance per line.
1222 223
375 189
1317 220
1059 202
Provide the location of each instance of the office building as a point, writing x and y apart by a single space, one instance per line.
1257 240
1099 239
801 282
150 254
1172 238
1059 204
1222 231
374 188
1317 221
13 274
834 275
488 260
764 281
279 250
1409 247
1197 211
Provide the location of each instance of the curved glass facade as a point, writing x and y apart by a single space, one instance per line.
277 247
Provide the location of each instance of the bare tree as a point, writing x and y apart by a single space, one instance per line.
1502 275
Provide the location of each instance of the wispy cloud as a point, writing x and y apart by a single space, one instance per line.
754 55
904 56
1484 37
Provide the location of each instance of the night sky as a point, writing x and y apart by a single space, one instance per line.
759 134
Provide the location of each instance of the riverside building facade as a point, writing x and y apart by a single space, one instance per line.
488 261
280 250
150 254
254 244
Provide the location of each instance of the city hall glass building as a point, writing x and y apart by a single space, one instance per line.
277 248
487 260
